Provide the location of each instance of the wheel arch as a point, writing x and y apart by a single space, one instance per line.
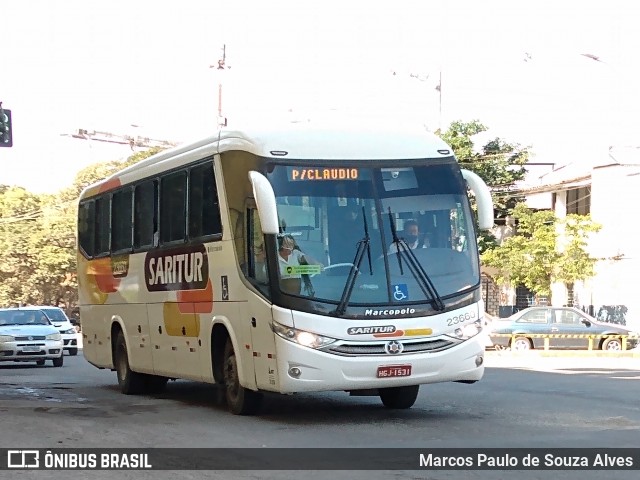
606 336
117 326
219 336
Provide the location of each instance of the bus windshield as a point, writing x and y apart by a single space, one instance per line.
346 232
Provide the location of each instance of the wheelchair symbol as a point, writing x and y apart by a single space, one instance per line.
401 292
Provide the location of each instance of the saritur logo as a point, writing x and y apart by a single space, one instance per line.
184 268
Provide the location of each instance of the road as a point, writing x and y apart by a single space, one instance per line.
523 401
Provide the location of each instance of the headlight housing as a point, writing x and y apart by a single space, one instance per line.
6 338
301 337
71 330
53 336
465 332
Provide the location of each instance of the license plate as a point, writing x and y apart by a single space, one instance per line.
394 371
30 349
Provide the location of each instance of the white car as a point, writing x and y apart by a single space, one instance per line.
29 336
60 320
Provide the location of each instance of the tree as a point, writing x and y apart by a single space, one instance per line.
19 212
38 238
499 163
536 255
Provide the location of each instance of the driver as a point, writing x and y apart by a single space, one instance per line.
411 235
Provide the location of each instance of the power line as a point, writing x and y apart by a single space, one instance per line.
108 137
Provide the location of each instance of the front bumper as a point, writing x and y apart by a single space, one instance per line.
30 351
70 341
321 371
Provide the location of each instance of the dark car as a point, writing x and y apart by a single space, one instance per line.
572 327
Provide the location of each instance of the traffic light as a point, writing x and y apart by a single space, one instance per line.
6 137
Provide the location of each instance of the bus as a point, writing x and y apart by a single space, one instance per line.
277 260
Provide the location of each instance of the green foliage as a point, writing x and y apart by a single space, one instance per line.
532 256
498 163
38 238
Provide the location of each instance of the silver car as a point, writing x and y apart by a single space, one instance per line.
29 336
60 320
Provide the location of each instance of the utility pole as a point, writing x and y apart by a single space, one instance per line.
221 66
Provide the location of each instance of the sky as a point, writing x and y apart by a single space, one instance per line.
144 68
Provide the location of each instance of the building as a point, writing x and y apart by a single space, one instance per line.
606 186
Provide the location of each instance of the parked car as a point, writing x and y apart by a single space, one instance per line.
574 325
29 336
63 324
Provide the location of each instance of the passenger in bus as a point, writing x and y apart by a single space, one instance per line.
412 237
289 257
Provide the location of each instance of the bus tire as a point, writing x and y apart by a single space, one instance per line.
399 397
240 400
130 382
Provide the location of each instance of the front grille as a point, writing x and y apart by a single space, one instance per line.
378 348
27 339
30 354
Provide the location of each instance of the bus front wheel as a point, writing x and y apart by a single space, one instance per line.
130 382
399 397
240 400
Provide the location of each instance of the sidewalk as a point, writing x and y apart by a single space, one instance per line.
570 359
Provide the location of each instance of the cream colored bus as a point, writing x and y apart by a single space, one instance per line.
294 260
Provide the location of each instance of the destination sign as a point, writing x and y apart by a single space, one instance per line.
320 174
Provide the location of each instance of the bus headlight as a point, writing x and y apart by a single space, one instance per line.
54 336
469 330
301 337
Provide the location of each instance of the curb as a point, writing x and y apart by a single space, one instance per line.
564 354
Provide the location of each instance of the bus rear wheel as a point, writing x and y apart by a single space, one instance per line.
399 397
240 400
130 382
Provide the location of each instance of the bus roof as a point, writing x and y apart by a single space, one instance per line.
302 141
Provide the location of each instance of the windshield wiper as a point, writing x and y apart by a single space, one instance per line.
403 250
363 245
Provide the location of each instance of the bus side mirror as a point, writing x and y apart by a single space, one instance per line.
266 202
483 199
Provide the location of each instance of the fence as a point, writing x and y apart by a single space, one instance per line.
546 336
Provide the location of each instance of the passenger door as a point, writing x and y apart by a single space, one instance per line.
259 307
568 324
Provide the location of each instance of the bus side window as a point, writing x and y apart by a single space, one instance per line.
145 223
173 207
121 220
204 209
102 239
86 227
